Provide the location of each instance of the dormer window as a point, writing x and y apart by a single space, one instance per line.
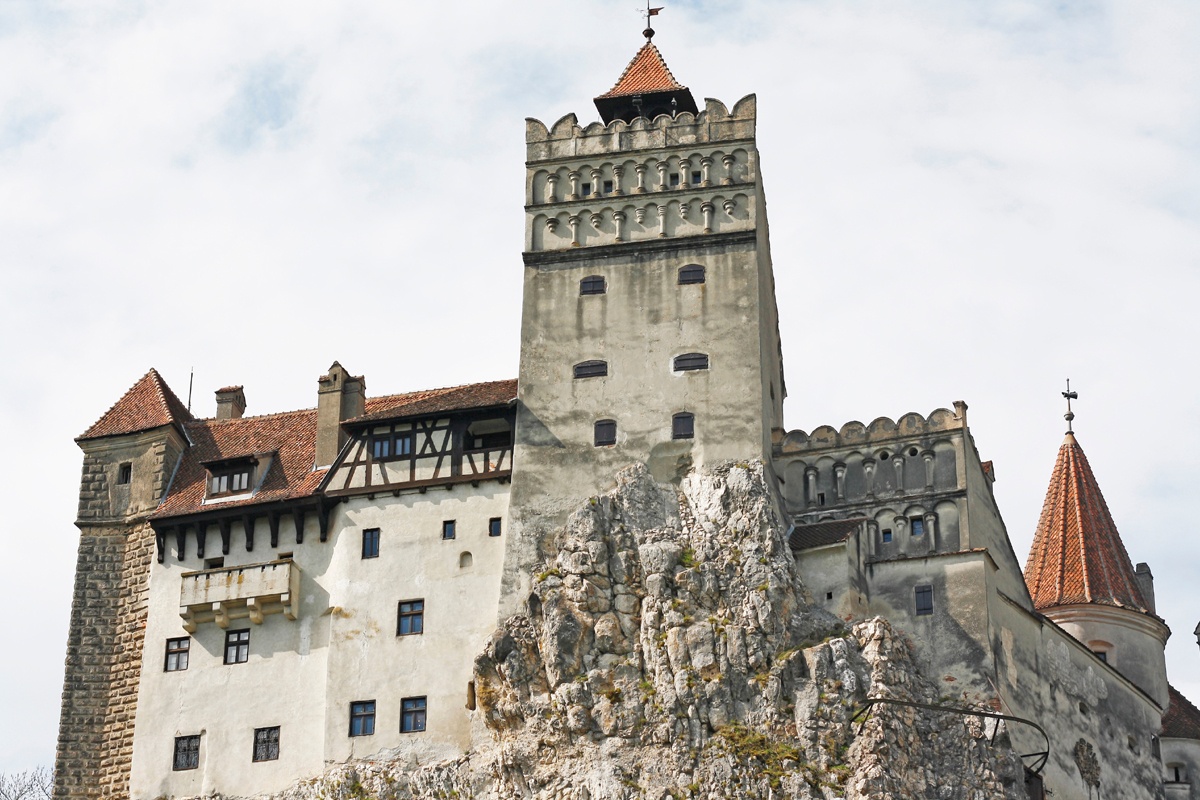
230 477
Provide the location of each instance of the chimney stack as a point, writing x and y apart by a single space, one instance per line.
340 396
231 403
1146 583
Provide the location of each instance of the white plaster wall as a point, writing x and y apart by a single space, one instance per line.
1186 752
303 674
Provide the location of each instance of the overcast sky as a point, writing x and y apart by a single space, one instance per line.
968 201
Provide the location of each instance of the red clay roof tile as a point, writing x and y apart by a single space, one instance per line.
1182 720
434 401
646 73
1077 554
148 404
819 534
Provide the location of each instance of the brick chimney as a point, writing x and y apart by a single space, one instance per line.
340 396
231 403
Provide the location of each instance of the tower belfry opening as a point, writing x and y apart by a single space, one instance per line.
645 89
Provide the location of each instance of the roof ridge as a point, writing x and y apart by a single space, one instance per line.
135 410
206 420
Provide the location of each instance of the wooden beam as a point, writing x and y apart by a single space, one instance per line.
223 524
298 519
248 526
201 535
160 544
273 523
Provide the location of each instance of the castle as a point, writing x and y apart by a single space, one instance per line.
258 597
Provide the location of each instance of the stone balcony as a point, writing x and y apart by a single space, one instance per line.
249 591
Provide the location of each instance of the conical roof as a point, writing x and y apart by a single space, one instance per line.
645 89
647 72
149 404
1077 554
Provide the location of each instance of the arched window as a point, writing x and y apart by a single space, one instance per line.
683 425
593 284
691 273
691 361
605 432
465 559
590 369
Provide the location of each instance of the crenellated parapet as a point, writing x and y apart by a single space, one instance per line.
881 431
669 177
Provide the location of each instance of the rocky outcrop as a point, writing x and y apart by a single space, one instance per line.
668 650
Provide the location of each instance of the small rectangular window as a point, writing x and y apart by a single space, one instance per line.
593 284
494 526
691 273
820 498
362 718
412 714
448 529
403 445
590 369
918 526
608 187
177 654
381 448
411 619
924 598
214 563
230 480
691 361
585 190
187 753
605 433
370 543
125 473
266 744
674 179
1101 654
696 177
237 646
683 426
239 481
887 535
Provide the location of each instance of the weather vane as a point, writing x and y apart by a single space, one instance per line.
648 13
1070 415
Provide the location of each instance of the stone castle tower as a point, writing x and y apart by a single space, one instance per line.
649 327
129 457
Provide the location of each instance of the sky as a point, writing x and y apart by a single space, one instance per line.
969 201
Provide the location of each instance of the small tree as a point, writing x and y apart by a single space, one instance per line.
35 784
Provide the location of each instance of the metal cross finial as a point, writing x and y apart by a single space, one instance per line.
648 13
1070 415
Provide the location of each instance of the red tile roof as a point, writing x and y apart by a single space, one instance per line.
149 404
819 534
646 73
292 436
435 401
1182 720
1077 554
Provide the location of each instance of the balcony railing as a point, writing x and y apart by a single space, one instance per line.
250 591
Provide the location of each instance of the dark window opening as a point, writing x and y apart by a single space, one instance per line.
177 654
187 753
924 598
230 481
605 432
696 175
912 451
412 714
494 526
386 446
918 526
362 718
411 618
683 426
284 556
214 563
585 189
691 361
266 744
125 473
887 535
448 529
883 456
829 595
691 273
489 440
237 646
1178 773
370 543
593 284
674 179
820 498
608 187
1101 654
590 369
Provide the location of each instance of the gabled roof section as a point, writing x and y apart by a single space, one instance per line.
819 534
1182 720
437 401
148 404
291 437
647 72
1077 554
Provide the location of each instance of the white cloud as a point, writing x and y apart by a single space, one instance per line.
968 201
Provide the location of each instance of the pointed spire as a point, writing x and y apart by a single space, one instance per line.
1077 554
148 404
645 89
